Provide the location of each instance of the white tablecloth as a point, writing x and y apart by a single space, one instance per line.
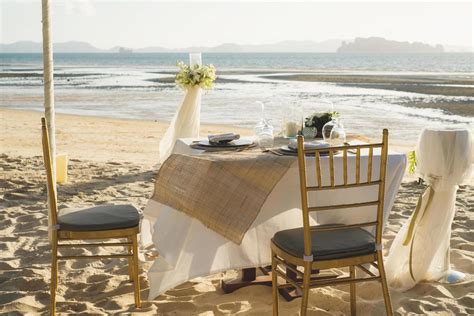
188 249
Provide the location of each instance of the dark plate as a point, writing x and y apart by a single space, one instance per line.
289 151
234 143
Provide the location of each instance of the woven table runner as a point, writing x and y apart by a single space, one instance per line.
224 191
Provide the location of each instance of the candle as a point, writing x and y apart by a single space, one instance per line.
291 129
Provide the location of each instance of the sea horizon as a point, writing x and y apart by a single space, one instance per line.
446 62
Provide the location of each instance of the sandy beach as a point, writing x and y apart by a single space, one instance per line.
114 161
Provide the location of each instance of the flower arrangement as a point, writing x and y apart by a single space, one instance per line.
197 75
318 119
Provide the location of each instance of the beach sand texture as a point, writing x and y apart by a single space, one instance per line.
113 161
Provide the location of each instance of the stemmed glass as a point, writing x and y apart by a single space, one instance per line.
264 130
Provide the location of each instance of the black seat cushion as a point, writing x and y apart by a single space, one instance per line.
103 217
326 245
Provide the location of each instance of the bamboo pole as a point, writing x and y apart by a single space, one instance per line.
48 69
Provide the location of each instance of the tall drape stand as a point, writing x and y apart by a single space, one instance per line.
48 69
187 120
48 83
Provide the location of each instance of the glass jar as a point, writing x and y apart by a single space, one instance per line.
334 133
292 121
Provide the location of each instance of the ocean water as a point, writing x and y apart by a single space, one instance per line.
124 85
446 62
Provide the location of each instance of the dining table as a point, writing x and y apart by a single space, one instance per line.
189 247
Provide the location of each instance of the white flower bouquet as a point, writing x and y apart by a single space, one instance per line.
197 75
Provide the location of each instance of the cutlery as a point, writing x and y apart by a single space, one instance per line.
272 151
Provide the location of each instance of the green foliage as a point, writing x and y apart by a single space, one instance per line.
197 75
318 119
411 162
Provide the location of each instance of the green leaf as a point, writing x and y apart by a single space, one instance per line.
411 162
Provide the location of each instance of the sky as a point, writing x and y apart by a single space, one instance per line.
179 24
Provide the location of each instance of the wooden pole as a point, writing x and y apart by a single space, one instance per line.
48 69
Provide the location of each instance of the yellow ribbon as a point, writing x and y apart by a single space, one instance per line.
411 228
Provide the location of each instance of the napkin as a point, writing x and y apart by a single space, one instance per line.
308 145
227 137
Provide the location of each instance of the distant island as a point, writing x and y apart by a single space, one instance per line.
124 50
382 45
358 45
328 46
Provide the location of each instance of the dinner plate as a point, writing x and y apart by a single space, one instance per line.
288 150
234 143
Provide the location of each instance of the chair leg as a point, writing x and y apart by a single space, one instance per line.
274 286
54 277
130 260
136 279
383 278
353 291
306 280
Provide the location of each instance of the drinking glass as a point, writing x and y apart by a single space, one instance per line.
337 135
264 130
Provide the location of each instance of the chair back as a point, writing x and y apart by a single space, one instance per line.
332 183
52 196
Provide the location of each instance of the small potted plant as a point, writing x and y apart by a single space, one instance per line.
314 123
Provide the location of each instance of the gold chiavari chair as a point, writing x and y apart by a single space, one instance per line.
323 247
95 223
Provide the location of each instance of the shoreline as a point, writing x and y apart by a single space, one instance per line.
432 85
92 137
103 139
451 93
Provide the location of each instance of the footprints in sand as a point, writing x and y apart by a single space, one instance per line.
84 285
103 287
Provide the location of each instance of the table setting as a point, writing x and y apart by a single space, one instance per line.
216 206
219 199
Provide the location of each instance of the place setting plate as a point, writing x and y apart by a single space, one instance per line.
233 145
230 144
286 150
289 150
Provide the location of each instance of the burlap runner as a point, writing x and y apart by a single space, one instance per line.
224 191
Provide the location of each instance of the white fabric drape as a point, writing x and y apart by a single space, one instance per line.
420 251
185 123
187 120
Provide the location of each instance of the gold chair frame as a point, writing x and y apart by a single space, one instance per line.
56 234
305 280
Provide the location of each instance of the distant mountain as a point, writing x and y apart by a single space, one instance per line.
382 45
83 47
458 49
34 47
359 45
328 46
21 47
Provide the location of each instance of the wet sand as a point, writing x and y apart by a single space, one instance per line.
455 85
